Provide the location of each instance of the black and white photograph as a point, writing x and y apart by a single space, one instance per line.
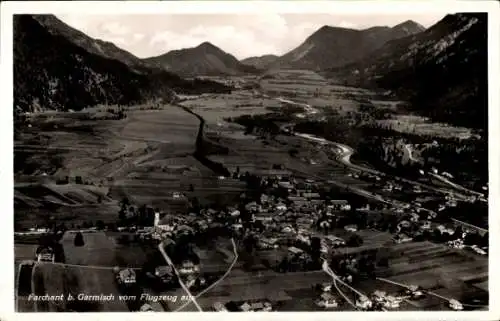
261 160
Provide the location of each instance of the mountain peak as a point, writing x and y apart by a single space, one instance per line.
441 71
411 26
331 46
330 33
328 29
324 28
208 47
202 60
207 44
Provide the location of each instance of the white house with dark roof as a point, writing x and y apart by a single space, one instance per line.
295 250
333 240
341 205
245 307
311 195
127 276
281 207
45 254
188 267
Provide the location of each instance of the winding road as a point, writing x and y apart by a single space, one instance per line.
345 158
335 278
455 186
309 109
431 293
161 247
213 285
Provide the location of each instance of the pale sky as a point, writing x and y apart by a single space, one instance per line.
240 35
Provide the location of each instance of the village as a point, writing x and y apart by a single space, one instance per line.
284 224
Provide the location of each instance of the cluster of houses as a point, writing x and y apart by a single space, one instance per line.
167 226
412 226
256 306
294 220
280 221
385 300
245 306
377 300
284 220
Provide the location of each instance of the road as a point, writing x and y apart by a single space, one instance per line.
94 267
345 158
328 271
309 109
410 152
456 186
347 152
25 147
161 247
213 285
352 189
430 293
336 279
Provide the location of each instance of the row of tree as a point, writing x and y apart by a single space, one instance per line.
130 215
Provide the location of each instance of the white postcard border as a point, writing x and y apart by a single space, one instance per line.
211 7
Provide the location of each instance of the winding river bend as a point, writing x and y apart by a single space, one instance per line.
346 152
203 147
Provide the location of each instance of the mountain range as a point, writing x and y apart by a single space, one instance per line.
327 47
205 59
442 71
335 46
58 67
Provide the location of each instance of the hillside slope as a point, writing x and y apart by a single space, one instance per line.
261 62
205 60
57 67
335 46
442 71
94 46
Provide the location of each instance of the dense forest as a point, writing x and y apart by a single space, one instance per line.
384 148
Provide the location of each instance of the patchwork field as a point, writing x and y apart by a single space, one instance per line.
23 252
102 249
240 285
71 216
214 109
87 270
145 156
86 145
57 279
311 88
33 195
449 272
423 126
259 155
372 239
